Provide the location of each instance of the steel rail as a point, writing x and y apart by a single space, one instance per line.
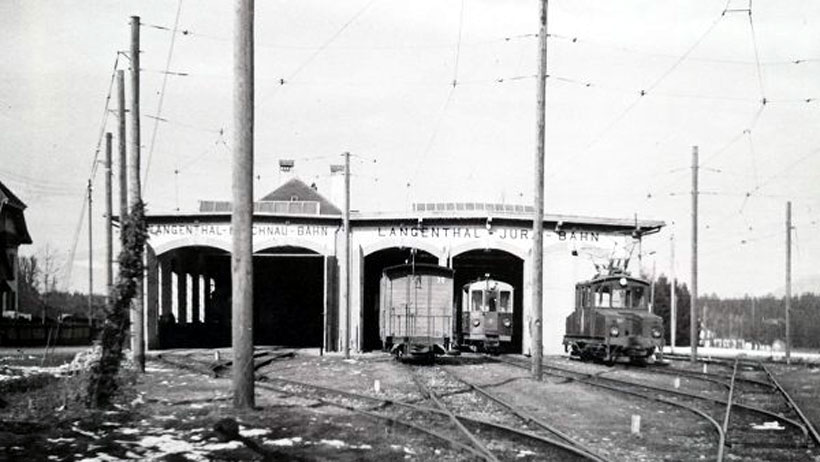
716 426
709 377
453 419
452 442
689 374
707 374
729 401
753 409
386 401
719 361
527 417
757 410
813 431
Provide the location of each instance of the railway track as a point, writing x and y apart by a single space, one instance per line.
457 396
756 372
770 429
431 414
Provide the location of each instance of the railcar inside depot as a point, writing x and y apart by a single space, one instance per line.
298 245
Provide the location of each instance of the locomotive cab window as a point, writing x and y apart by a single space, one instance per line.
639 297
476 300
504 301
603 297
620 298
492 301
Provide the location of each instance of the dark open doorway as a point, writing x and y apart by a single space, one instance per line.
496 264
288 292
373 266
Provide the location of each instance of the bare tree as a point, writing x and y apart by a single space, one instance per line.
28 284
49 272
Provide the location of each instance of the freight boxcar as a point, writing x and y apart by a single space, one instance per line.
416 310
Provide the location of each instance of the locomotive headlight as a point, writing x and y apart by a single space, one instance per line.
656 333
476 322
614 331
507 323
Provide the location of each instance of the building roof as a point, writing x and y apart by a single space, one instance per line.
298 191
516 213
13 229
8 198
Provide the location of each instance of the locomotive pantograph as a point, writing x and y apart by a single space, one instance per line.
486 315
612 321
416 310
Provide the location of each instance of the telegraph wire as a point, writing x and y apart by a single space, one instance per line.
504 39
458 46
166 72
73 250
218 131
757 56
104 118
327 42
429 146
752 155
751 126
773 177
648 90
220 141
161 98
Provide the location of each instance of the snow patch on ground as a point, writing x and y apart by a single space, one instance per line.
284 441
774 425
222 446
101 457
334 443
250 433
166 443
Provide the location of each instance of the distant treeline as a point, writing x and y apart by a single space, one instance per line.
755 319
54 304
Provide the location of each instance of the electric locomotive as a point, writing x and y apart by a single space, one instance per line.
416 310
486 315
612 321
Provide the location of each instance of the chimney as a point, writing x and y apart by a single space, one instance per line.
337 185
286 172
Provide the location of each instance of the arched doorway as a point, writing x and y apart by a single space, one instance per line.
193 297
374 264
496 264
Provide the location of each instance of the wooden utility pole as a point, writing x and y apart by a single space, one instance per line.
109 241
90 255
346 282
652 287
693 296
538 222
134 192
123 170
673 296
788 281
242 214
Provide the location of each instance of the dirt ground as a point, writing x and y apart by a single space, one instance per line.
170 414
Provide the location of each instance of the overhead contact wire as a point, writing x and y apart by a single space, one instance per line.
161 98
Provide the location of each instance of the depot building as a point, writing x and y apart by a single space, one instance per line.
298 244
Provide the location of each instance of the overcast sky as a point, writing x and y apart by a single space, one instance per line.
633 86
